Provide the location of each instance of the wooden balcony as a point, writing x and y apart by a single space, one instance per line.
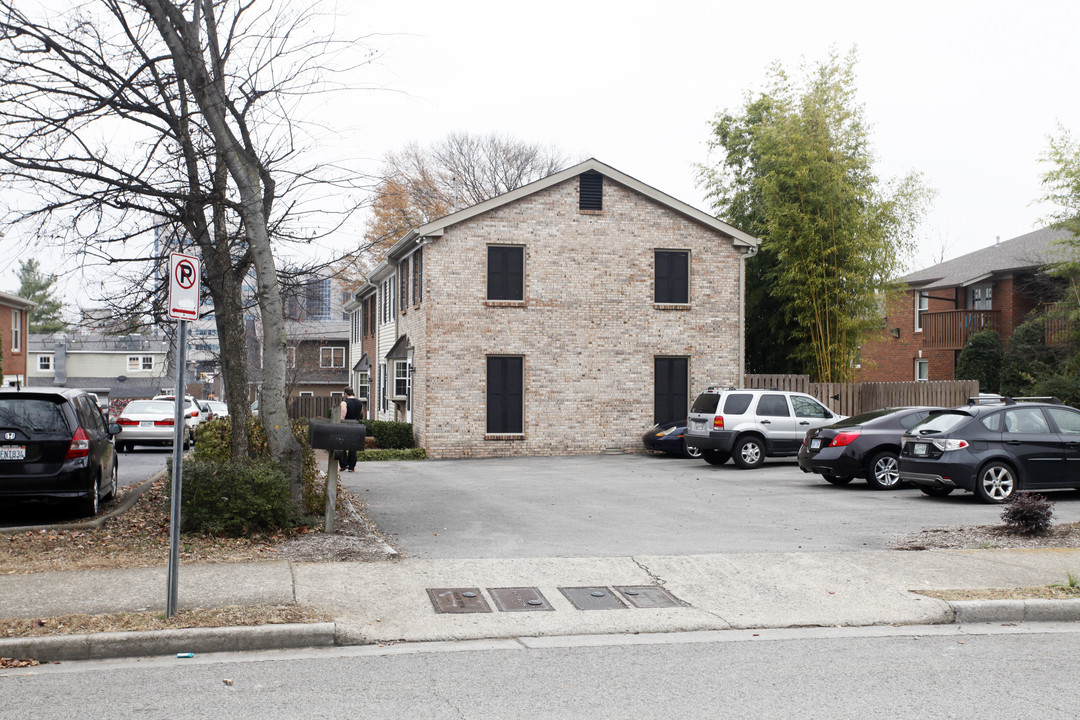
950 330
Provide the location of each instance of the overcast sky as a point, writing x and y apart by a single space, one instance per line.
964 92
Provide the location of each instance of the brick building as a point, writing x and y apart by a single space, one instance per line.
563 317
926 327
14 337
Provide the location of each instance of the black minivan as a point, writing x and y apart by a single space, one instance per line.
56 445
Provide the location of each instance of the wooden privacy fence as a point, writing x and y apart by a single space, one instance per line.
854 398
311 406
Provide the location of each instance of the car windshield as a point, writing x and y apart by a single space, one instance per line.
939 423
153 407
32 414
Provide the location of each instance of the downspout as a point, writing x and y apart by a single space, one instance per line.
744 253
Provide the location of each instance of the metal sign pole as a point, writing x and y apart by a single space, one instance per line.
177 473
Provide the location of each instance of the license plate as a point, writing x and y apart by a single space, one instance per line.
815 443
919 449
13 453
146 423
698 424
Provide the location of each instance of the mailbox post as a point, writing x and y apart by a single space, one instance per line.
330 436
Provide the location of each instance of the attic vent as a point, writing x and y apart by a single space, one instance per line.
591 192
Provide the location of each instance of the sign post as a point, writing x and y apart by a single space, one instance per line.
184 289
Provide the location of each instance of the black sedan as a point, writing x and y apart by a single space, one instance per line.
994 450
864 446
668 437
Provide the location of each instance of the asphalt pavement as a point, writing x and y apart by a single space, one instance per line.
420 599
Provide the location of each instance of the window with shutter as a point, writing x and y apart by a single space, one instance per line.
505 396
672 286
506 272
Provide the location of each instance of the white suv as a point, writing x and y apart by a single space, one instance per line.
750 425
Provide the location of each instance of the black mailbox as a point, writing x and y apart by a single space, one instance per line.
344 435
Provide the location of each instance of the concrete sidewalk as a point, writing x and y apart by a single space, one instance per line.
389 602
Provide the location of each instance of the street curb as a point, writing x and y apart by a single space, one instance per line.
982 611
97 522
100 646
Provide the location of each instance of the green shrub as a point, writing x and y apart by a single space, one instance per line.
981 360
390 435
235 499
213 443
377 455
1028 514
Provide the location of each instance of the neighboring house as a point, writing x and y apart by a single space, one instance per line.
14 321
316 357
563 317
361 309
116 367
925 328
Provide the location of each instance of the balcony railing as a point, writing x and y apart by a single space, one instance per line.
1058 327
950 329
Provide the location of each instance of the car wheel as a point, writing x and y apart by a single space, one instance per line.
935 491
996 483
715 457
90 505
690 451
883 472
836 479
749 452
113 484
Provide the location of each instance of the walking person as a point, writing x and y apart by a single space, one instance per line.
351 409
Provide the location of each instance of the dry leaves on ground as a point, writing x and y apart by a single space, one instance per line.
986 537
139 537
135 621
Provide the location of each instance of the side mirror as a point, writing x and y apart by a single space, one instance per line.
114 428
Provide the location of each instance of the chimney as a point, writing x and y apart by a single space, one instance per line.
60 361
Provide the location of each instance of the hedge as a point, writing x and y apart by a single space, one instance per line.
213 443
392 454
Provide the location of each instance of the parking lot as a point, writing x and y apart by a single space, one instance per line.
617 505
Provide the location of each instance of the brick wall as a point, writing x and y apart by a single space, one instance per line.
588 329
14 363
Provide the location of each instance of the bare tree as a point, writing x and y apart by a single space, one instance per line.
170 119
419 184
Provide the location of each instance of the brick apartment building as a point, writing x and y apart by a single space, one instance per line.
15 336
926 327
563 317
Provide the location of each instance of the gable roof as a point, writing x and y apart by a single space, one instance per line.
1025 252
437 227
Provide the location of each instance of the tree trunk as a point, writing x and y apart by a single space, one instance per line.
256 191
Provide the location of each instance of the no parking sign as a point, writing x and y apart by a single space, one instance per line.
183 286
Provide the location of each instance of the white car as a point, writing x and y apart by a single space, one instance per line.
192 413
749 425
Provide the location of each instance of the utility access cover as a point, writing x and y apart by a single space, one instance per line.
592 598
649 596
519 599
458 600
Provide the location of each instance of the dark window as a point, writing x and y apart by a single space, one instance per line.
591 192
506 272
418 276
505 399
706 403
670 389
404 284
737 404
773 406
672 277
